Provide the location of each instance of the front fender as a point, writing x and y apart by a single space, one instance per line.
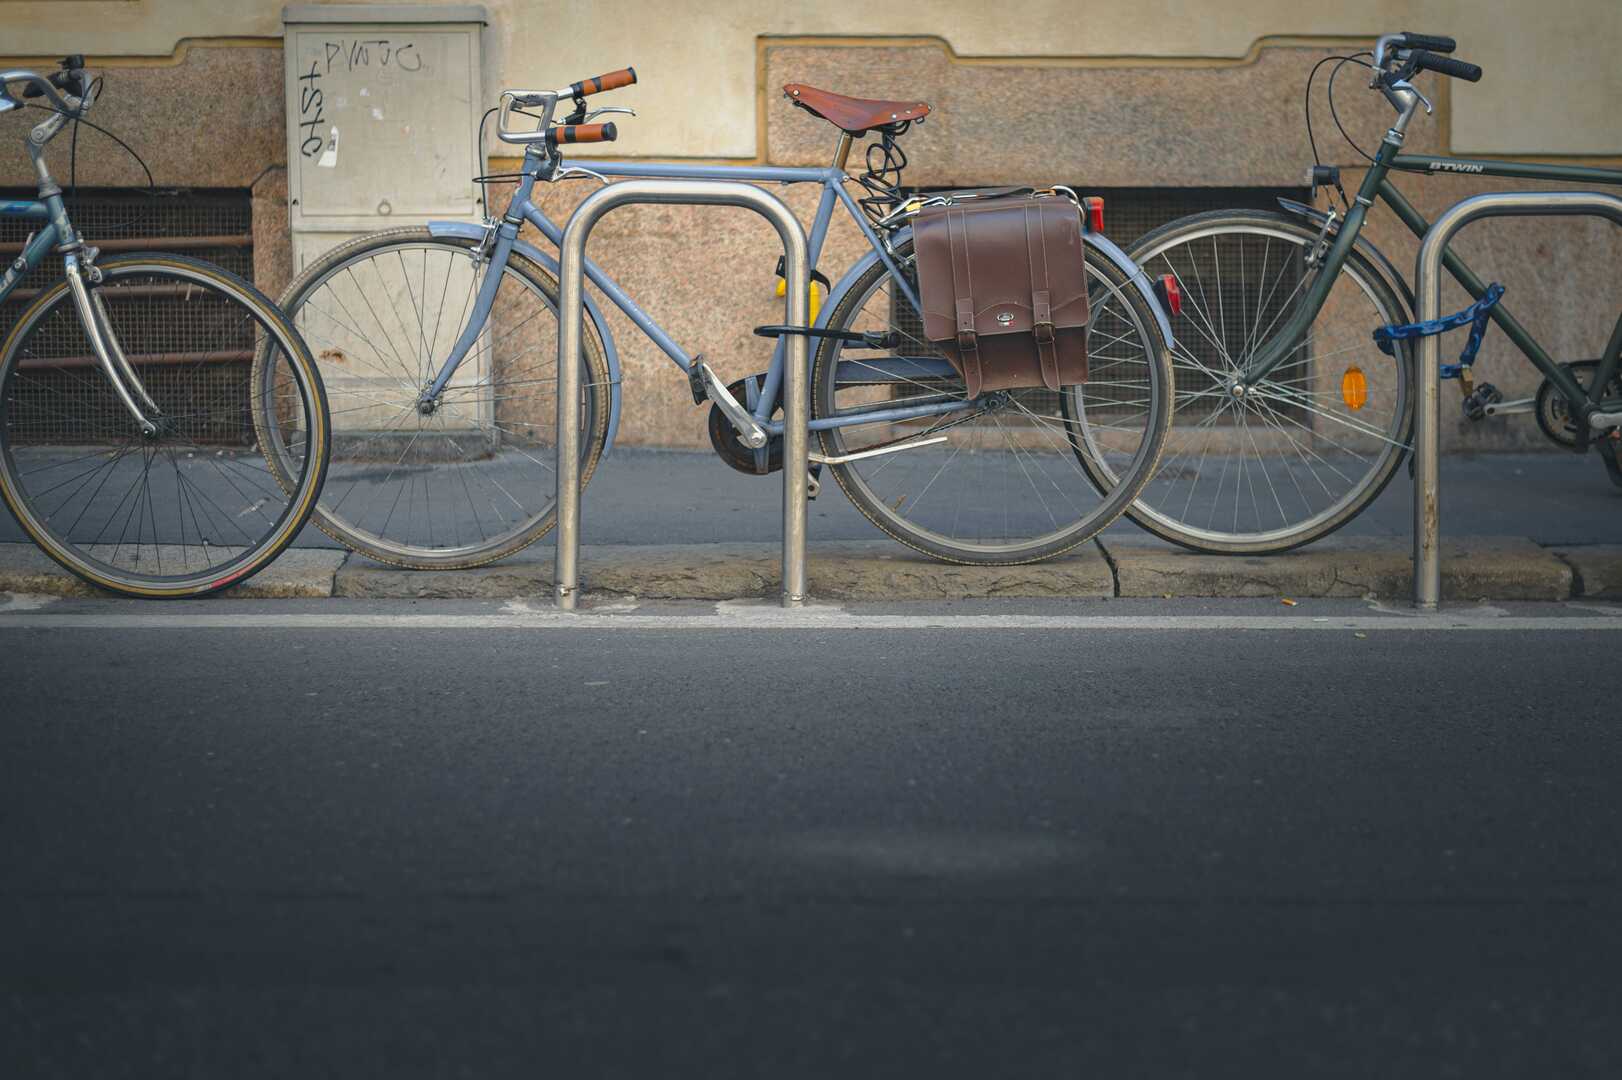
468 231
1132 270
1393 277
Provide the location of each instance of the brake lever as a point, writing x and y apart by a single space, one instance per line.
606 109
575 172
1404 85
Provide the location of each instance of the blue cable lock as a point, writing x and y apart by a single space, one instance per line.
1476 315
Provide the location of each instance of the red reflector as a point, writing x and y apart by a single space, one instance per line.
1095 213
1174 295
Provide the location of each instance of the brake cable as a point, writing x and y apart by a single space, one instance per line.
1312 140
77 118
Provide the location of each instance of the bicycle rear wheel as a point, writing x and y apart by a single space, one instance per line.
473 481
1307 448
196 506
1005 484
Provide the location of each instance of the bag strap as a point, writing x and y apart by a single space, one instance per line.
968 340
1041 305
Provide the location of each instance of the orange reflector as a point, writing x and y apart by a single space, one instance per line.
1354 388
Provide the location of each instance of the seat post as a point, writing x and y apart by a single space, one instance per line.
842 151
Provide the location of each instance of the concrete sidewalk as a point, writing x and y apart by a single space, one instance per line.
1515 527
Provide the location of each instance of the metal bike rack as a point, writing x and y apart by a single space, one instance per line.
1427 418
796 395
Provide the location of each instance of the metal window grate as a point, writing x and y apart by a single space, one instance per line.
74 401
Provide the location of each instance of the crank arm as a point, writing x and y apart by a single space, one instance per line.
751 433
1604 421
1511 408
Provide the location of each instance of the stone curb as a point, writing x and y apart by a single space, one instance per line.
299 573
860 570
1474 568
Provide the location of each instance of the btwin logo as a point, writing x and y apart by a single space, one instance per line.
1456 166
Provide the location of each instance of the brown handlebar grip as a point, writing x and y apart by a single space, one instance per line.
582 133
612 81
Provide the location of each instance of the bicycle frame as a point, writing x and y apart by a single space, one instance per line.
502 238
59 235
1377 185
41 244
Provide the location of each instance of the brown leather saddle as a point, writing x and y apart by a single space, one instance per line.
857 116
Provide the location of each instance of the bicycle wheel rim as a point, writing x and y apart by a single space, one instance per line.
1055 429
195 507
1251 475
473 481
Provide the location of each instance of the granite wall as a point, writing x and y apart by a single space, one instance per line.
212 116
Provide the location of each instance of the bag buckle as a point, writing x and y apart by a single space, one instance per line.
1041 318
967 339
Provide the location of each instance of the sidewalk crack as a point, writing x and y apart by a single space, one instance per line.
1577 586
1114 570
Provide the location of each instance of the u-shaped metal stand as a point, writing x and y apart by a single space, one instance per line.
1427 415
796 394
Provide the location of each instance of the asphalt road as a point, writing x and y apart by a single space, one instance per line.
273 839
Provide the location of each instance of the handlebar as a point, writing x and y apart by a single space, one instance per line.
37 85
597 84
1445 65
77 94
547 100
1435 43
581 133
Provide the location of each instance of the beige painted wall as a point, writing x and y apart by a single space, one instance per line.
1553 86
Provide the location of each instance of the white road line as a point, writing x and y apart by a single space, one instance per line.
810 618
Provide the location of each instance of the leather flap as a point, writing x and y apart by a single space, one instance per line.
1001 238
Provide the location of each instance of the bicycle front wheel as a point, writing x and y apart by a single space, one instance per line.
473 480
1308 447
196 505
1004 481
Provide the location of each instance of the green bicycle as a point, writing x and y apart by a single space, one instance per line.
1290 417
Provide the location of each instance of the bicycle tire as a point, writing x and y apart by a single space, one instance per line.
1114 297
85 414
530 520
1157 510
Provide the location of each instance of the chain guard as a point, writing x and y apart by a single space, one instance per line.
1554 419
725 438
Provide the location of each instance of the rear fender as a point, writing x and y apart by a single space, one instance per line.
468 231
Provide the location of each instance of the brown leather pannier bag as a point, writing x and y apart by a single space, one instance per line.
1004 290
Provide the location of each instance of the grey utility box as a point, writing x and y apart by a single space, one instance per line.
383 107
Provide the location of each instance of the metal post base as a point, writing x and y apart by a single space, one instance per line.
796 393
1427 411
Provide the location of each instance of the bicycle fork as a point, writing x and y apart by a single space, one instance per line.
114 364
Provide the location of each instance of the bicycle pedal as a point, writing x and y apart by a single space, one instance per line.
1476 402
